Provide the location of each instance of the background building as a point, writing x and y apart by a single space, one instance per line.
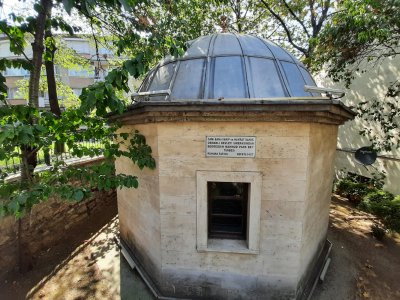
77 79
366 86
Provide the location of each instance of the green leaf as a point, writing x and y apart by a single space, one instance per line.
22 198
47 56
78 195
99 94
90 100
14 206
68 5
131 67
124 135
107 153
126 4
135 183
40 128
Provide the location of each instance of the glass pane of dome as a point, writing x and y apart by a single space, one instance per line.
228 81
226 43
309 80
295 79
307 77
269 83
162 78
188 79
146 82
199 47
254 46
278 51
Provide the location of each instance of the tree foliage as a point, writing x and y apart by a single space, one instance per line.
24 130
141 32
359 32
240 16
299 23
66 94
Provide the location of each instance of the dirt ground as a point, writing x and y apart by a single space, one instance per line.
362 267
88 264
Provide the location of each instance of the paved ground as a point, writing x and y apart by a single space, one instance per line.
361 268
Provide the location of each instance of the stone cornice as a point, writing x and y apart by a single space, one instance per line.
310 110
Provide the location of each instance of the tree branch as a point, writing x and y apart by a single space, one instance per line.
37 52
312 17
324 16
296 18
289 35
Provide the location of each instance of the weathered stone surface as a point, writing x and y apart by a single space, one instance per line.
159 221
319 186
310 110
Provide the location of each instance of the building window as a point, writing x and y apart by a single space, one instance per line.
14 93
18 72
106 51
77 92
227 210
81 73
100 73
81 46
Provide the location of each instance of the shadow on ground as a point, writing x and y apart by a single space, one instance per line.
361 267
88 264
96 271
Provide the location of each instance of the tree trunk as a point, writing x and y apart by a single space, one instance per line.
28 153
52 86
37 52
28 163
51 78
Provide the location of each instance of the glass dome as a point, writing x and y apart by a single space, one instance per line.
227 66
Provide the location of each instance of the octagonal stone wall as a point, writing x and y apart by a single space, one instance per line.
159 220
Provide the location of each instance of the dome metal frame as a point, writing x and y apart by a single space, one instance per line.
287 75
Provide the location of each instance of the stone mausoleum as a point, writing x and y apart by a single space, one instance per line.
238 205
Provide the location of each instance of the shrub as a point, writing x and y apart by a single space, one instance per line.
342 186
354 191
378 179
385 206
391 217
379 196
375 197
378 232
372 199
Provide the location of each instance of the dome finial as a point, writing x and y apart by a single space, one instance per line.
224 23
